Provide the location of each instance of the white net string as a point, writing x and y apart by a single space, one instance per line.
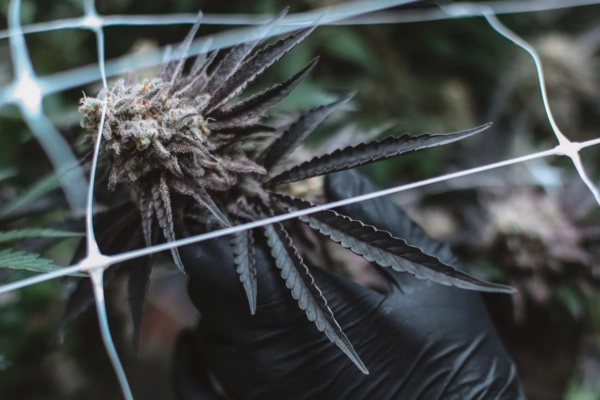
27 91
373 18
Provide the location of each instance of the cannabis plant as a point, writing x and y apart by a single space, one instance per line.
185 154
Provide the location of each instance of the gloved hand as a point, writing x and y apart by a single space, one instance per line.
421 340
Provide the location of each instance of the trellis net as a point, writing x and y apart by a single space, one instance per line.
28 90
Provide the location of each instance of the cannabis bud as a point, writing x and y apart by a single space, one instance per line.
175 143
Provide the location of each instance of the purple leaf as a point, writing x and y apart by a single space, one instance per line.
302 285
362 154
244 165
147 211
202 198
161 201
256 105
244 129
299 131
236 56
174 67
382 248
228 65
243 250
255 66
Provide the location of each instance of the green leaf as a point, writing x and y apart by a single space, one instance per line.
29 261
6 173
38 190
11 236
347 45
572 300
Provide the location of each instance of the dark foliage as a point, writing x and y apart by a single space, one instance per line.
176 147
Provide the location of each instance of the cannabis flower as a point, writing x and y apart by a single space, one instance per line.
175 134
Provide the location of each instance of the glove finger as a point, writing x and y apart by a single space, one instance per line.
216 291
280 350
407 352
190 374
384 214
212 270
211 263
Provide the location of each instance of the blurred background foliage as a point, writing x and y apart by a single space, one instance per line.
532 226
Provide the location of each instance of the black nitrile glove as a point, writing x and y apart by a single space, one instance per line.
421 340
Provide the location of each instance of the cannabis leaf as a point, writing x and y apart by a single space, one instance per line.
302 285
386 250
161 201
174 67
234 58
11 236
362 154
243 250
256 105
299 131
29 261
37 191
253 67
